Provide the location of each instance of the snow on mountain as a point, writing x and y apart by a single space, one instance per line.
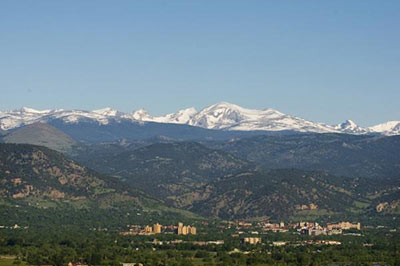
107 112
388 128
233 117
220 116
25 116
16 118
141 115
179 117
351 128
28 110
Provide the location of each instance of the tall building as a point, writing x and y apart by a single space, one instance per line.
148 229
157 228
180 229
193 230
184 230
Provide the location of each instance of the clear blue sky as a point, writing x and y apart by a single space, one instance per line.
325 61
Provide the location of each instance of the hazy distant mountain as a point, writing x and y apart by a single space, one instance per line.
220 116
41 134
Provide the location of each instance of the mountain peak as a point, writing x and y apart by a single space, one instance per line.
141 115
180 117
388 128
349 123
31 110
349 126
106 111
224 105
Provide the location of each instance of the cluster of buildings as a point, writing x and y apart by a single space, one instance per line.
277 227
158 229
140 230
344 226
306 228
180 241
186 229
310 228
307 242
155 229
251 240
315 229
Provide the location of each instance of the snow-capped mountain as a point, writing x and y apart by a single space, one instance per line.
351 128
179 117
233 117
142 115
25 116
388 128
220 116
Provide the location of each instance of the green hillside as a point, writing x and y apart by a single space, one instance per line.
38 177
166 169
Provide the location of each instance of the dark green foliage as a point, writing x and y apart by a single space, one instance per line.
46 171
41 177
165 169
215 183
279 193
339 154
108 248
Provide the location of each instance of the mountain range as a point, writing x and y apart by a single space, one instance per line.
265 175
273 178
223 161
221 116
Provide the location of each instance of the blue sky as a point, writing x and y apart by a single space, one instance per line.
325 61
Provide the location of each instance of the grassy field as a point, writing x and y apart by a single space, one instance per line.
9 261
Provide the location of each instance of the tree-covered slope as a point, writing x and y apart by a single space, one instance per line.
166 169
215 183
38 176
340 154
275 193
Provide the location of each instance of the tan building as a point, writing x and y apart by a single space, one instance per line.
180 229
193 230
148 229
185 230
344 226
157 228
252 240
